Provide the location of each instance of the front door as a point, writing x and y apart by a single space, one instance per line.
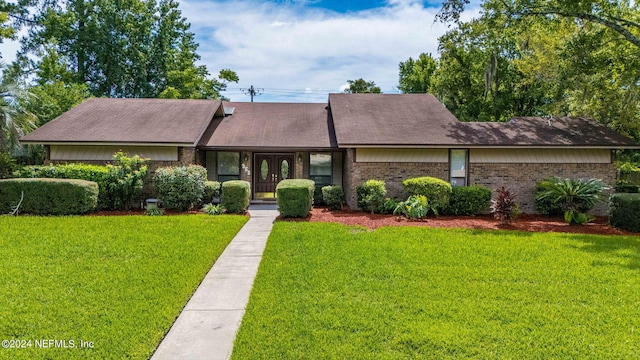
268 170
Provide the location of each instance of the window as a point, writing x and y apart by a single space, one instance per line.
320 169
228 166
458 167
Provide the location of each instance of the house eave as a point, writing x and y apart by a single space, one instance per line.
462 146
108 143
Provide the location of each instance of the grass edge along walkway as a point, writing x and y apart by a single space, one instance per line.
329 291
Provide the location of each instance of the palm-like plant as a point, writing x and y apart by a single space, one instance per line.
574 196
15 121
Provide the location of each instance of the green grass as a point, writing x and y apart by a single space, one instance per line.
118 282
328 291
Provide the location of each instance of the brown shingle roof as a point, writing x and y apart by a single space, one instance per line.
100 120
271 125
421 120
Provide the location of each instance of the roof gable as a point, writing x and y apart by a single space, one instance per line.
149 121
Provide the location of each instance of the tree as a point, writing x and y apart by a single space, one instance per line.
15 121
361 86
620 16
416 75
134 48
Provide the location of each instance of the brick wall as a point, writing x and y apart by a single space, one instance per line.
392 173
521 178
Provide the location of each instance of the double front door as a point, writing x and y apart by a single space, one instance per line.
268 170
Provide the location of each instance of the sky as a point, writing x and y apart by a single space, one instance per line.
302 50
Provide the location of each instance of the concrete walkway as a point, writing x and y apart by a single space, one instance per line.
207 326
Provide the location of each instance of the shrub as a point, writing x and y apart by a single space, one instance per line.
118 184
436 190
415 207
468 200
48 196
627 187
318 198
211 209
154 211
211 190
333 196
624 210
7 165
571 196
388 206
544 205
180 187
235 196
295 197
504 206
370 195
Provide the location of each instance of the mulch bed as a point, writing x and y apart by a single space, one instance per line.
524 222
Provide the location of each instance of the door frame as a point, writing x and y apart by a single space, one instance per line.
275 160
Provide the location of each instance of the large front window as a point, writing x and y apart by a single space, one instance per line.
228 166
458 167
320 169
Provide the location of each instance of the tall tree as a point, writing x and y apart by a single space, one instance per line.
15 121
416 75
132 48
361 86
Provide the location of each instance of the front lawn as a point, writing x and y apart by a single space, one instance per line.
116 282
329 291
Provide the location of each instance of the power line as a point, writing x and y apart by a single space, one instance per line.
252 91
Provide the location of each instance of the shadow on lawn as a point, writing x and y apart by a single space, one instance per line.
625 248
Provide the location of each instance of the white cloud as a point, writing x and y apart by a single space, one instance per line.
279 47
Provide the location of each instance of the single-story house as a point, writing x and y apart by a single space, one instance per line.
350 139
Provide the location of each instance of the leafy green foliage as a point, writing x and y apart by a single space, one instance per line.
370 195
341 292
416 75
504 206
624 186
15 120
154 211
388 206
236 196
436 190
571 196
7 165
118 184
48 196
468 200
93 273
295 197
180 187
333 196
360 86
624 211
211 190
415 207
211 209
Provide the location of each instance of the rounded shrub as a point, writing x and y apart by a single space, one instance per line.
370 195
235 196
48 196
624 211
436 190
295 197
333 196
468 200
211 190
180 187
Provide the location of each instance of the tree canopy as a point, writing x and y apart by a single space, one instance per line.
361 86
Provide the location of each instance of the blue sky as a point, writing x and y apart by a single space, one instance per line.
302 50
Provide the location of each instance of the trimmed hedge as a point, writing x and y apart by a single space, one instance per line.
118 185
295 197
624 211
468 200
624 186
180 187
370 195
333 196
437 191
235 196
48 196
